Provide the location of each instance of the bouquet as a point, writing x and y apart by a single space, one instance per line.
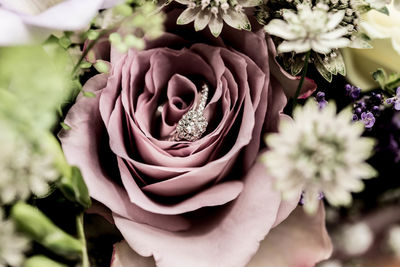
200 133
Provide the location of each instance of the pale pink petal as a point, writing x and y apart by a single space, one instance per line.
300 241
111 3
69 15
226 237
13 31
124 256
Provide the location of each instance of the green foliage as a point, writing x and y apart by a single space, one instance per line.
37 226
74 188
36 81
41 261
388 83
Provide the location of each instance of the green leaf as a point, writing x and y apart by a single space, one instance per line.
85 65
74 188
124 10
340 66
88 94
65 126
384 10
41 261
93 35
322 70
380 77
361 41
297 65
64 42
102 66
40 228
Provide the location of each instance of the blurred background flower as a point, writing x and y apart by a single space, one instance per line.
385 33
34 21
12 244
323 153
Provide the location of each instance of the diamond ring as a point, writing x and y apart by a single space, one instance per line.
193 123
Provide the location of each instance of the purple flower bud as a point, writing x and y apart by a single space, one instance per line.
355 93
375 109
355 117
320 96
358 111
348 87
390 101
368 119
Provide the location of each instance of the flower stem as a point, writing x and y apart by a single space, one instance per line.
303 75
87 50
81 235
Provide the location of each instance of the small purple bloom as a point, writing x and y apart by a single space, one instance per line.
368 119
320 196
355 117
353 91
320 98
395 100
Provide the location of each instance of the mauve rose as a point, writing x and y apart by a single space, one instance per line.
202 203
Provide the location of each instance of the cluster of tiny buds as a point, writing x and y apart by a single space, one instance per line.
330 56
366 108
215 5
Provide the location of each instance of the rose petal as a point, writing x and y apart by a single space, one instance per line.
229 239
214 196
124 256
301 241
82 147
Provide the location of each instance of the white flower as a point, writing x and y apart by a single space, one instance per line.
309 29
355 239
214 12
319 152
23 168
12 245
25 21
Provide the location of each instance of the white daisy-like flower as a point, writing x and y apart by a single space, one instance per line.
214 12
24 169
12 245
319 152
311 28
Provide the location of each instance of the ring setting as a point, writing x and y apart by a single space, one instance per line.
193 124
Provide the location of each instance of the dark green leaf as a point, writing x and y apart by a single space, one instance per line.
74 188
37 226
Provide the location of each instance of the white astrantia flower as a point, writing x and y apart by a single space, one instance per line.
310 28
12 245
319 152
24 169
214 12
